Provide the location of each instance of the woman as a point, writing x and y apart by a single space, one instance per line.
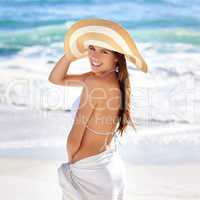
95 170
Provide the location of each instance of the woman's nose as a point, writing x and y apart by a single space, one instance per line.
95 55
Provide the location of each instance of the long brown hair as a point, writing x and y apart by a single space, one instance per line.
125 88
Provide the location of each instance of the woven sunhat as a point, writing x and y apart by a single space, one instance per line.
104 33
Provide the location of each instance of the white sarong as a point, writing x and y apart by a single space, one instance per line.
97 177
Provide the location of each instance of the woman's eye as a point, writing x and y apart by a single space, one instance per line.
105 52
91 48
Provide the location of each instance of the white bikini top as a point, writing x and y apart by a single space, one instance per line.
100 133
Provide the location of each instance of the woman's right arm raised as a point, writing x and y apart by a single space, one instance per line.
59 74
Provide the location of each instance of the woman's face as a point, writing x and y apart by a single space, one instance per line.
101 59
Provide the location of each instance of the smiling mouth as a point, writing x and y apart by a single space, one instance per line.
95 64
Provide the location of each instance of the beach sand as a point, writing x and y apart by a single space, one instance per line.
33 179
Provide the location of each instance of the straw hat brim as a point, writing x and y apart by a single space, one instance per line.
103 33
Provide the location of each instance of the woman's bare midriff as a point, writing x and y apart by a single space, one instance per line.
89 147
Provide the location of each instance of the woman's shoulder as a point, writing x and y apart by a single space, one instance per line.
94 82
105 88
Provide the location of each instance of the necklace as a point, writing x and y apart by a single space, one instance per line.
106 73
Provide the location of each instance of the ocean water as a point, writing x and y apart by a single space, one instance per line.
43 23
167 33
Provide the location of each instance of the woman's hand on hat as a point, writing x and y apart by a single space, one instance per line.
68 55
